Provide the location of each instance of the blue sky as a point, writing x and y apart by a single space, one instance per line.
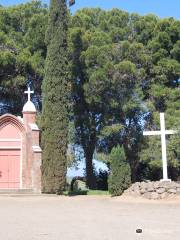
162 8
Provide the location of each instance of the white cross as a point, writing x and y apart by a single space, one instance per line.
28 92
163 134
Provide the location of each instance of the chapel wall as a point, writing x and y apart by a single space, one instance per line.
23 134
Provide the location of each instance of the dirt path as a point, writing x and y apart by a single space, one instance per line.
88 218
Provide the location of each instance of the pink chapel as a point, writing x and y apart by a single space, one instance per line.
20 153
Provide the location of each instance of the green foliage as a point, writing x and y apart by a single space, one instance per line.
175 52
22 52
55 100
120 175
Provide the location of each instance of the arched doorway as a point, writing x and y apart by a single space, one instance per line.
10 156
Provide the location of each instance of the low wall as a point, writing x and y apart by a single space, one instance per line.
154 190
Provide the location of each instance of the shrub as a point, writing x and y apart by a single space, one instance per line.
102 180
120 174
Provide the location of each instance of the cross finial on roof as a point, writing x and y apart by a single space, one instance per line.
28 92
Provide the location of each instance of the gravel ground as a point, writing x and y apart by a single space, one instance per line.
87 218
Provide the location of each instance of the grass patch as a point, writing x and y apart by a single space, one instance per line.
75 193
86 192
98 192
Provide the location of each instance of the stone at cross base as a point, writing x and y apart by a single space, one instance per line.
163 132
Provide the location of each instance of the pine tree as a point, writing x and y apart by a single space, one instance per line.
55 100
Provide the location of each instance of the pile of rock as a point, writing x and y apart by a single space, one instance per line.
154 190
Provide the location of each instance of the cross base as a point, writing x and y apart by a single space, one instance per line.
165 180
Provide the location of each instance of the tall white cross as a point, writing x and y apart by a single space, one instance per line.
163 134
28 92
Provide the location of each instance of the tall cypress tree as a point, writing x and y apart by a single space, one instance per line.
55 100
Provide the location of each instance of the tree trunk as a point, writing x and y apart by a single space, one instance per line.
133 162
90 175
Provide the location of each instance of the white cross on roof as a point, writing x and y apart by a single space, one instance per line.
29 93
